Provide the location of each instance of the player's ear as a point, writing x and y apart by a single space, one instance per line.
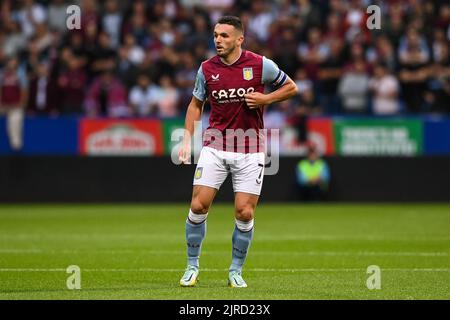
240 39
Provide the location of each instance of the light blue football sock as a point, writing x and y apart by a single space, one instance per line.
241 244
195 233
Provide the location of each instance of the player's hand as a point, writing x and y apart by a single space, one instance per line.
255 100
184 154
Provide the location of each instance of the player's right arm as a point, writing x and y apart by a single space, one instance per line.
193 114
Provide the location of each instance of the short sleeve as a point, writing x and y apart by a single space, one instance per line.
271 74
200 86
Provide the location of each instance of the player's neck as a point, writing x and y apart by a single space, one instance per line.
232 57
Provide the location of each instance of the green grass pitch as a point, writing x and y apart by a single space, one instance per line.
299 251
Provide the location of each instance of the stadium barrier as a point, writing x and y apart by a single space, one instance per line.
40 179
344 136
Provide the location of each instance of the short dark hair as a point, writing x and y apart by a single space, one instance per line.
232 20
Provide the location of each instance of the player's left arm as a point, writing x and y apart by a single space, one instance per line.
276 77
286 91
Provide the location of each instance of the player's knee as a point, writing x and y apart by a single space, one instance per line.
199 207
245 213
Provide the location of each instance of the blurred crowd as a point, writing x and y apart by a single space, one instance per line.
140 58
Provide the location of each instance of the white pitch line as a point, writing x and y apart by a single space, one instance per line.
225 270
220 252
167 237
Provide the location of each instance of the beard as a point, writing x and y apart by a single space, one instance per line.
225 52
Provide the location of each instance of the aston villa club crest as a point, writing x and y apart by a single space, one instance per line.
198 173
248 73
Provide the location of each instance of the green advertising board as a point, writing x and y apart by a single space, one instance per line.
383 137
169 125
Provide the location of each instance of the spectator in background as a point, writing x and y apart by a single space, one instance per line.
167 63
302 81
104 58
217 7
437 92
300 107
29 16
15 40
143 97
308 13
413 49
305 106
355 21
107 96
334 30
71 83
76 44
338 6
90 15
260 20
90 36
133 52
443 20
42 38
112 22
185 78
13 99
385 88
285 48
201 31
353 89
383 52
413 57
33 56
313 53
330 72
166 32
313 176
57 15
395 24
167 99
137 24
440 47
153 37
42 91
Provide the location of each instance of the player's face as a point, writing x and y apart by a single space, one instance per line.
226 38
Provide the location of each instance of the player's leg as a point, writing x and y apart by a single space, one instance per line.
245 205
202 197
209 176
247 174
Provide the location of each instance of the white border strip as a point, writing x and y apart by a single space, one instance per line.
224 270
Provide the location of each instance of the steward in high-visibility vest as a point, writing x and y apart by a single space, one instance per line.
313 171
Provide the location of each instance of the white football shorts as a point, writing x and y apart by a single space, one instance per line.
247 170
